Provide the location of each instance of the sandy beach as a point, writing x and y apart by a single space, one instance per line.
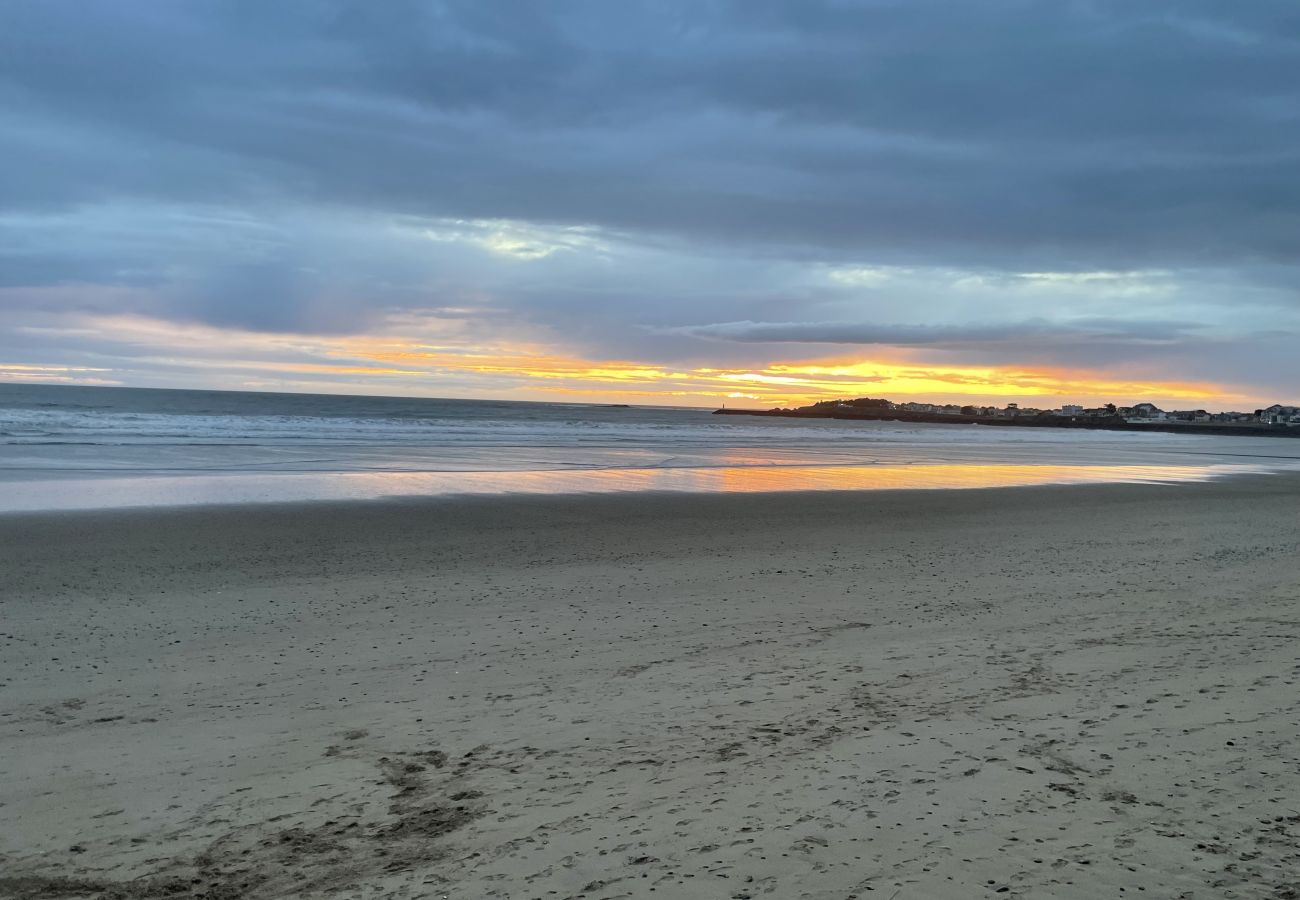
1048 692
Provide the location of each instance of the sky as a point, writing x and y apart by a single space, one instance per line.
684 202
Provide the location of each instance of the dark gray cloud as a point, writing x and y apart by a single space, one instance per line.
1075 133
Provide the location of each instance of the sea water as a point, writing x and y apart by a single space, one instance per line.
72 447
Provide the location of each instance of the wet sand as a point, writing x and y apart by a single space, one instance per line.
1069 692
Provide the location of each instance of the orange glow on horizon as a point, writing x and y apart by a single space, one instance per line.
799 383
447 364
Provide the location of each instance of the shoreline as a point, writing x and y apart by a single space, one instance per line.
91 493
1251 479
1061 691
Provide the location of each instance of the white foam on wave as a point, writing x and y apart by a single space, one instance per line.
49 427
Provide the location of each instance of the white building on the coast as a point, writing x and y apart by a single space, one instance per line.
1143 413
1277 414
1188 415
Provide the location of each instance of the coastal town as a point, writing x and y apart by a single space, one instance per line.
1278 419
1138 413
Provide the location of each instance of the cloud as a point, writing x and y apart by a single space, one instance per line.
1037 331
1117 181
987 132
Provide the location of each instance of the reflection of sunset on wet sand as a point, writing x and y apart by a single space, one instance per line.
191 490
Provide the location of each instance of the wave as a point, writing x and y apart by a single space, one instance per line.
29 426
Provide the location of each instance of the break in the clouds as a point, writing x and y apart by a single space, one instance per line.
1102 186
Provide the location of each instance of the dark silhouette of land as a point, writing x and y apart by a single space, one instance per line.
883 411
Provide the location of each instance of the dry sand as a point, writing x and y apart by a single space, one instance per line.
1039 692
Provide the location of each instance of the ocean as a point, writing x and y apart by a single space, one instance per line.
71 447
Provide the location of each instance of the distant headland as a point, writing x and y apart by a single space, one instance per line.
1273 421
